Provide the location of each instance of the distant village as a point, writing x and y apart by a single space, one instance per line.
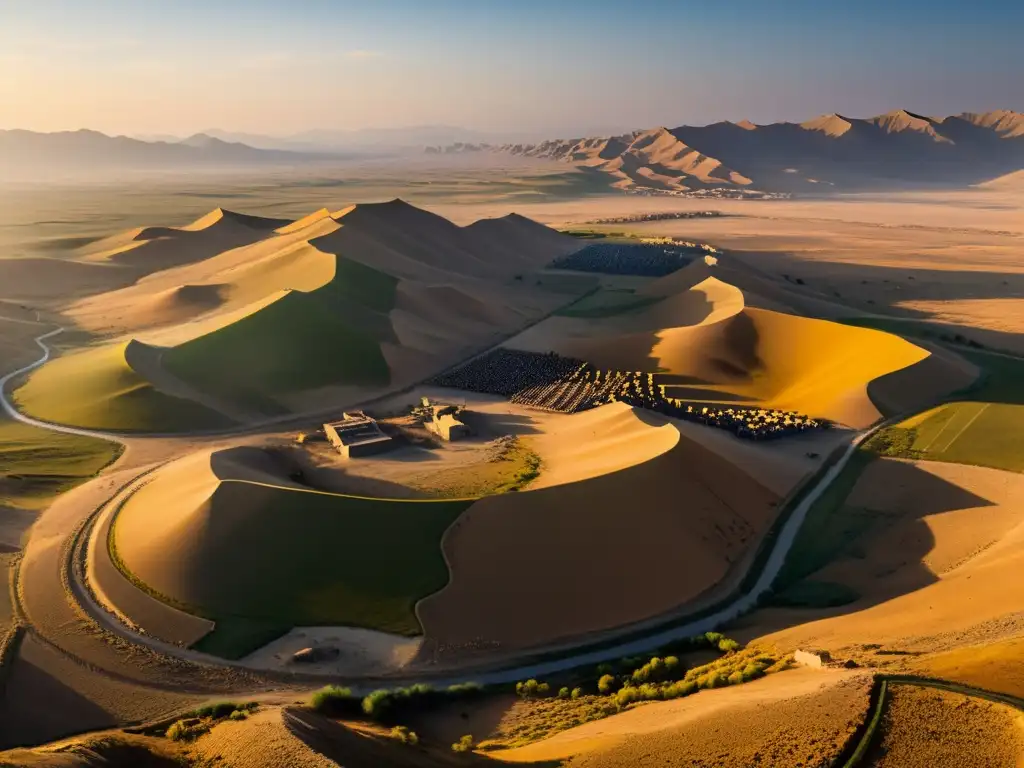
717 193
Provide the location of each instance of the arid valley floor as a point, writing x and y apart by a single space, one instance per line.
761 506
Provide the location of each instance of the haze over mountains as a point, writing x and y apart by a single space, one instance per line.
898 148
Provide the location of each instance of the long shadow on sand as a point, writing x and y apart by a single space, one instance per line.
37 708
348 747
872 547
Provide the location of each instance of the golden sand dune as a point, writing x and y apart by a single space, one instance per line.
156 248
737 726
299 738
713 348
550 554
600 441
1011 181
942 559
366 276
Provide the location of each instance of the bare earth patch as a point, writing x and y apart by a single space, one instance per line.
924 728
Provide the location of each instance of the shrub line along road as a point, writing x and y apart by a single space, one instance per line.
649 642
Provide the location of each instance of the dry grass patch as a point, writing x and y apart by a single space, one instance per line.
924 727
510 465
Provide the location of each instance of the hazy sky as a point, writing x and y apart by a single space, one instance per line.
556 67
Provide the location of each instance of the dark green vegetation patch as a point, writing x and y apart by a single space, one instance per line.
37 464
279 557
302 341
985 429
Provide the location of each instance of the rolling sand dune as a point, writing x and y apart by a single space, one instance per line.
600 441
551 558
945 561
227 534
298 738
938 376
157 248
263 310
109 394
798 717
769 358
1011 181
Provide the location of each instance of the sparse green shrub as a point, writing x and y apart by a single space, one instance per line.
576 693
735 678
527 690
563 693
606 684
377 703
727 645
465 744
217 710
335 700
713 638
188 729
238 714
403 734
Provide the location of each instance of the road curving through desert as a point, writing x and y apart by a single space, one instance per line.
14 413
505 673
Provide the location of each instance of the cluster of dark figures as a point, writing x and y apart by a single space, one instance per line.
568 385
507 371
628 259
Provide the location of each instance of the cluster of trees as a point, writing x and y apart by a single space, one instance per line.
634 671
403 734
388 704
533 689
663 679
199 721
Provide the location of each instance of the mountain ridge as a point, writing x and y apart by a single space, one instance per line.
894 148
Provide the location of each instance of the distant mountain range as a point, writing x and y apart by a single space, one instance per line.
29 154
899 148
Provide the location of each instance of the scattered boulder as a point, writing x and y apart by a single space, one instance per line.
315 654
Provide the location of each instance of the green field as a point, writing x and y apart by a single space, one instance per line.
282 557
330 336
96 389
986 429
37 464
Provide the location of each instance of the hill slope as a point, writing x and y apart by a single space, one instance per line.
898 148
257 317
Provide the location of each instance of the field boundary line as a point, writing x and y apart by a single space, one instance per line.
926 448
965 426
